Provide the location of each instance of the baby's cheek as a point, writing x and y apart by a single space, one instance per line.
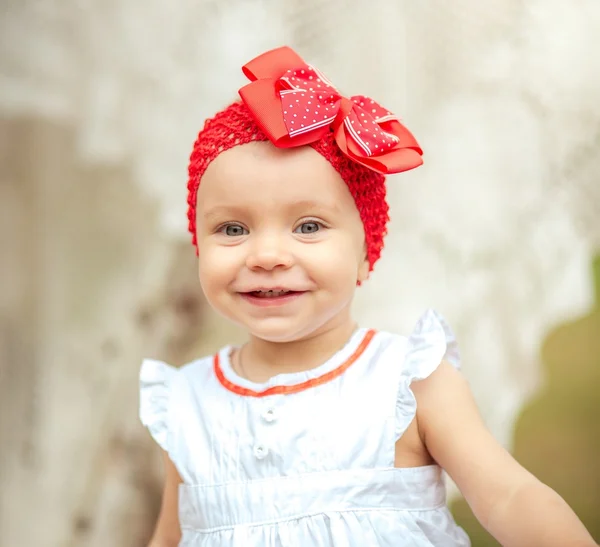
339 261
215 265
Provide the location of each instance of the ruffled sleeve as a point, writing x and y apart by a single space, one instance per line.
430 342
156 379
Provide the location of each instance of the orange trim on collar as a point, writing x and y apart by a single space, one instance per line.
288 390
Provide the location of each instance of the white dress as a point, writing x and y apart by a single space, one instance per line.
305 459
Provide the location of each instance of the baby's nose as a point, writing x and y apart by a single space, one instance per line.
268 253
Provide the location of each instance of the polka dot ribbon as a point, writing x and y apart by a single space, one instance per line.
294 104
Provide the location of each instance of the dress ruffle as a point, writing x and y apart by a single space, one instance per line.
431 341
156 379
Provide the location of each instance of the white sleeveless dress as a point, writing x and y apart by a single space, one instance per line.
305 459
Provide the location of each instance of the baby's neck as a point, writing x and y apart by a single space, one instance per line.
260 359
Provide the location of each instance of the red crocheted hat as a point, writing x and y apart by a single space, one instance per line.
358 137
235 125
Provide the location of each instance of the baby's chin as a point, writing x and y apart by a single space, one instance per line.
278 335
279 330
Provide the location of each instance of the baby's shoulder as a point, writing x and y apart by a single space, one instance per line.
159 376
430 341
167 391
198 368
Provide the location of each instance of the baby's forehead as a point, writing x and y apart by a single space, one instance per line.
257 155
259 170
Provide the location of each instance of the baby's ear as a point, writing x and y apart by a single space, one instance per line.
363 270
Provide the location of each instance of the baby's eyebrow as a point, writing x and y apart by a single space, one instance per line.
314 204
296 207
221 210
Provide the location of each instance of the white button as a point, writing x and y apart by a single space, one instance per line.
260 451
269 415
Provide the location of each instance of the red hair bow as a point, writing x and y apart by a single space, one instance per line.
294 104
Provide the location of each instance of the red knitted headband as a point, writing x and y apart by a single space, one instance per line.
292 104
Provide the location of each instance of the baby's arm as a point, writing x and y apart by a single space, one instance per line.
167 532
515 507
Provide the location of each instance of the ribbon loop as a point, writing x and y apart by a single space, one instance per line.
295 104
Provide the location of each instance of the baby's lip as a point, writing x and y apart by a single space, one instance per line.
274 289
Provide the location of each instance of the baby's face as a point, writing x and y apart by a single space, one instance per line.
281 221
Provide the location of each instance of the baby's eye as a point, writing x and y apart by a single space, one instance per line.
308 228
233 230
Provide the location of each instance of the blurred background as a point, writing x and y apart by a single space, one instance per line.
100 103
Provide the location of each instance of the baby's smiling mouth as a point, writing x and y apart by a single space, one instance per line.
273 293
270 293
